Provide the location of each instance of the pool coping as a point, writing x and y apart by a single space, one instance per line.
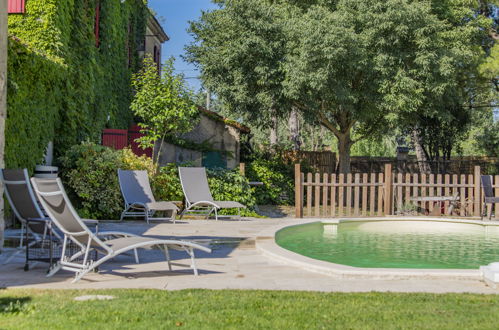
266 244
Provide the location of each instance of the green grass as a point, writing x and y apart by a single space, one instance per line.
195 309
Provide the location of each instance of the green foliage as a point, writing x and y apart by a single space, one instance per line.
277 178
347 64
164 103
89 172
230 185
62 87
488 140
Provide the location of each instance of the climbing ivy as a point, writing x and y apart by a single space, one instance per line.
61 87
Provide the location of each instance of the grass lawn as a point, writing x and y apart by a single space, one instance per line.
195 309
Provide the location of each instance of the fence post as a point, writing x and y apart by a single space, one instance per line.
298 192
242 169
477 190
388 189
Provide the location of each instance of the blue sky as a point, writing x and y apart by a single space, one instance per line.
174 16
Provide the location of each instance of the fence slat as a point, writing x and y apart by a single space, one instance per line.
447 192
415 189
324 195
462 196
496 183
476 200
364 194
407 188
356 200
340 195
431 191
298 189
400 202
317 198
349 195
333 196
309 195
380 194
372 195
470 195
455 190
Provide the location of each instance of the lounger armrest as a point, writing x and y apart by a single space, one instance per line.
38 219
200 203
90 221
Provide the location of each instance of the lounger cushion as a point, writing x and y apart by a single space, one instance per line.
162 206
120 243
229 204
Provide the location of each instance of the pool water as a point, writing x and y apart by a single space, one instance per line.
395 244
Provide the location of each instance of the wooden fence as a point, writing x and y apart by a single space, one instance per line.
378 194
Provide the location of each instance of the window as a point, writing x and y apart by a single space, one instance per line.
157 57
16 7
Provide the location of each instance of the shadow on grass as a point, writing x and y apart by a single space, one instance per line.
10 305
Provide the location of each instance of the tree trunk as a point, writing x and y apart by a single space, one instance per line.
294 129
3 102
273 131
422 157
344 145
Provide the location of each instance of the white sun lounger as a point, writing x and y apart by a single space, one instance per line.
51 194
197 194
139 199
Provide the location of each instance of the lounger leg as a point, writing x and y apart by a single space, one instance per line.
90 268
216 214
190 251
136 254
167 255
174 215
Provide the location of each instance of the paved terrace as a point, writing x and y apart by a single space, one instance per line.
239 265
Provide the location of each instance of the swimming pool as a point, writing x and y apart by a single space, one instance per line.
395 244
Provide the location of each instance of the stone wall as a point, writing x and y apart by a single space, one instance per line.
219 135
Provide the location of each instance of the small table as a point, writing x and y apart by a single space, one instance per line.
438 199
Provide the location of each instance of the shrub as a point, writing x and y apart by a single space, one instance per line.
89 172
277 178
232 186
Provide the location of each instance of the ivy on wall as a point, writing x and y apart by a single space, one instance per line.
62 87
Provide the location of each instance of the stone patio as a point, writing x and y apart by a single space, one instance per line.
235 264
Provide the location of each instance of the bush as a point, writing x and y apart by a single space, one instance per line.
232 186
277 178
89 172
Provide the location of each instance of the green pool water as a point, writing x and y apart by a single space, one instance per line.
395 244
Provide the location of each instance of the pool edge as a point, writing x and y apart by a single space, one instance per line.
266 244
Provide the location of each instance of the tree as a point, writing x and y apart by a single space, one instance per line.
347 64
164 104
240 50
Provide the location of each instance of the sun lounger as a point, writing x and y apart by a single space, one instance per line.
489 196
54 200
139 199
197 194
25 206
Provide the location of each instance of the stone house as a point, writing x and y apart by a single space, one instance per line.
214 142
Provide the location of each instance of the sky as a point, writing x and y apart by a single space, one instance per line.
174 17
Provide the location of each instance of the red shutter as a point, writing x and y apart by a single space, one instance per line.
97 22
16 7
115 138
134 133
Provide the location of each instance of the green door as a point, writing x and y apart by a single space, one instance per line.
214 159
